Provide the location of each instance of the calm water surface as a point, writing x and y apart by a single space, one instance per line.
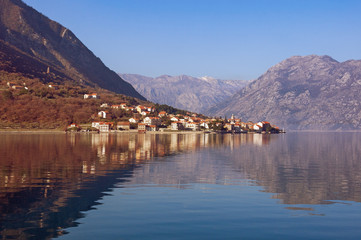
180 186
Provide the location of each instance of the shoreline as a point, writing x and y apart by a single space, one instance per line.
57 131
21 130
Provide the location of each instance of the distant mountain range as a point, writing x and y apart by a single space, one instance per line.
309 92
33 44
184 92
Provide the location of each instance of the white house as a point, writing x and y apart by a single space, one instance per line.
152 121
53 86
103 114
141 108
258 126
152 128
177 126
73 125
123 105
104 105
133 120
174 119
91 95
204 124
102 126
192 125
151 109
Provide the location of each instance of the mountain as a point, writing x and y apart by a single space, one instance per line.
302 92
44 44
184 92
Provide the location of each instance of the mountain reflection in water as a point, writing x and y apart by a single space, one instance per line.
48 181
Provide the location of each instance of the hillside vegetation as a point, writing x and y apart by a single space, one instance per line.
40 106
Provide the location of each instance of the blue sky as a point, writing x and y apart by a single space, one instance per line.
225 39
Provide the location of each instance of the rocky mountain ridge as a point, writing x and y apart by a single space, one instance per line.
184 92
47 43
302 92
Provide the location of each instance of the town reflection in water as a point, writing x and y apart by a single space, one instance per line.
48 181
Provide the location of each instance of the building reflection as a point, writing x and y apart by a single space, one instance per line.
47 178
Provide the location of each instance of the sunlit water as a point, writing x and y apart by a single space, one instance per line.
180 186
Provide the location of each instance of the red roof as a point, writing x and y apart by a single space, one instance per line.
102 123
123 123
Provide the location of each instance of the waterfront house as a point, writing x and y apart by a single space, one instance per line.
204 124
258 126
152 128
237 128
95 125
177 126
123 126
141 127
229 126
73 125
193 126
102 126
266 125
262 126
152 121
249 125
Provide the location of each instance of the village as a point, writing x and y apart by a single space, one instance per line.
142 119
121 116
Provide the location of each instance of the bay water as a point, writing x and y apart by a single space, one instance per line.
299 185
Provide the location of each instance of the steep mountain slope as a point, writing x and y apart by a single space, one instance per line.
46 43
184 92
310 92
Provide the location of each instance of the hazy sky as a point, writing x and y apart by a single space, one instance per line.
224 39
